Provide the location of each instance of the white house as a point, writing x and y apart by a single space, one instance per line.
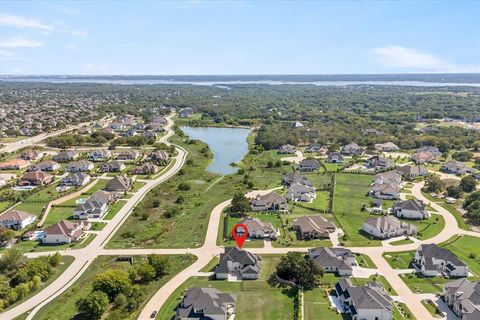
300 192
388 227
239 264
64 231
16 220
411 209
433 260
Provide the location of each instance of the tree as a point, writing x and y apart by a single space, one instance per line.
240 203
184 186
12 259
6 235
454 191
462 156
434 184
112 282
55 259
468 183
146 272
297 268
94 305
160 264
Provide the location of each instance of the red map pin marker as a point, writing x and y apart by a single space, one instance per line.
240 233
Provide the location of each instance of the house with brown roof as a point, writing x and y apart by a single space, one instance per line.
47 165
313 227
14 164
269 202
67 155
35 178
158 157
16 220
65 231
146 168
119 184
30 154
422 157
128 154
258 229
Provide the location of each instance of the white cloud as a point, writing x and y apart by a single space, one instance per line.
416 60
22 22
19 42
6 55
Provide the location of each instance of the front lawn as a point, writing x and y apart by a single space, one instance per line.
399 260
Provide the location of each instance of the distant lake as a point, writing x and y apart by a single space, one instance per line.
227 144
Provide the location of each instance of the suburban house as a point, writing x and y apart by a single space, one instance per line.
99 155
238 264
14 164
95 207
335 157
269 202
300 192
67 155
206 303
387 177
309 165
431 150
386 147
411 209
387 227
47 165
77 179
379 163
293 178
367 302
411 172
287 149
463 297
16 220
79 166
185 113
351 149
313 227
113 166
64 231
433 260
158 157
335 260
388 191
128 154
146 168
119 184
30 155
257 229
313 147
456 167
421 157
35 178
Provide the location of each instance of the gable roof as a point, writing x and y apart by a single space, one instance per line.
15 215
432 251
314 223
211 301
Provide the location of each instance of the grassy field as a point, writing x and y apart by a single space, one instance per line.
424 285
255 299
35 246
320 202
467 249
317 306
211 265
4 205
399 260
428 228
364 261
350 194
401 242
66 302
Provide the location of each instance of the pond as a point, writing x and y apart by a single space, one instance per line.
227 144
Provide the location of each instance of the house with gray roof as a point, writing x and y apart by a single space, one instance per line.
456 167
351 149
238 264
433 260
128 154
430 149
334 260
119 184
258 229
113 166
287 149
411 209
388 227
269 202
369 302
65 156
411 172
79 166
335 157
295 177
309 165
300 192
95 207
385 191
386 147
388 177
206 304
313 147
463 297
99 155
313 227
378 163
47 165
77 179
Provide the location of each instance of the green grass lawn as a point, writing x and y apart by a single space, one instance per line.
210 267
378 278
317 306
137 185
432 308
58 213
428 228
399 260
419 284
66 302
364 261
462 224
35 246
350 193
320 202
463 247
97 226
401 242
4 205
255 299
113 209
401 312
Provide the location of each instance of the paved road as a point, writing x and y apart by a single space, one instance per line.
14 146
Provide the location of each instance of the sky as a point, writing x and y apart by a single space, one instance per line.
238 37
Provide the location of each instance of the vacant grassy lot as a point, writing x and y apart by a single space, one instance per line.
467 249
320 202
364 261
350 194
401 242
255 299
66 302
399 260
317 306
419 284
428 228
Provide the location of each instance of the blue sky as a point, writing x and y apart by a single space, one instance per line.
239 37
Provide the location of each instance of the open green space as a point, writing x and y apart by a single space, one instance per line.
36 246
432 308
467 249
113 209
256 299
364 261
210 267
401 242
419 284
67 301
399 260
4 205
320 202
318 307
350 194
428 228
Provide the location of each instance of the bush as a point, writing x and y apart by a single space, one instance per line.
183 186
93 305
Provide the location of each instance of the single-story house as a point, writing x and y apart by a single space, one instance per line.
295 177
258 229
113 166
352 149
79 166
389 191
287 149
309 165
206 303
386 147
300 192
313 147
411 209
431 150
335 260
35 178
30 154
16 220
433 260
14 164
387 227
238 263
313 227
269 202
456 167
335 157
421 157
146 168
411 172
